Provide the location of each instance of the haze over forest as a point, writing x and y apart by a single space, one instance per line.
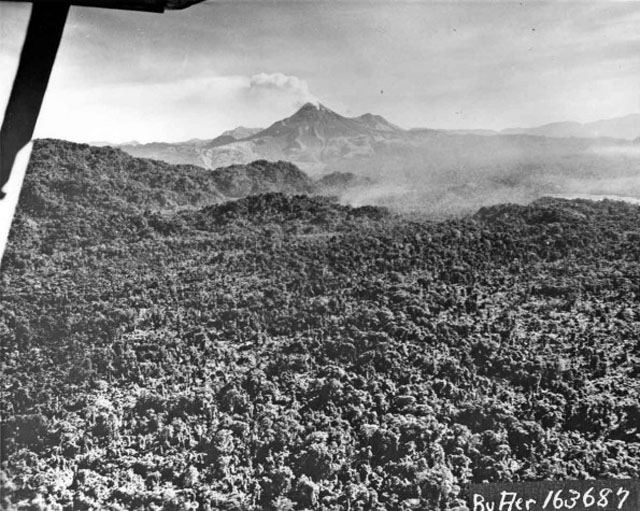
439 172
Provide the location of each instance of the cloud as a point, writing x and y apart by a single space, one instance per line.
286 86
181 109
418 63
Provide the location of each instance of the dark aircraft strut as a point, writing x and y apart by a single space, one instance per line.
36 61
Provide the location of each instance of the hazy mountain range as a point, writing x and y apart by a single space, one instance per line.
313 138
320 140
623 128
376 162
627 128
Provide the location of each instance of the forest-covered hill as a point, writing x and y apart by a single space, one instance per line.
287 352
64 175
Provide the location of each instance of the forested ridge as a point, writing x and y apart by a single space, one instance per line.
288 352
65 175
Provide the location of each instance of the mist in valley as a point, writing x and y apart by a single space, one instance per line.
447 175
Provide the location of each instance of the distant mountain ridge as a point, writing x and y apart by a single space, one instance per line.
626 128
312 138
622 128
320 141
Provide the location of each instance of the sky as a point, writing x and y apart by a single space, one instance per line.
123 76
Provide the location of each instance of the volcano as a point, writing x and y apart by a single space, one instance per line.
315 121
313 138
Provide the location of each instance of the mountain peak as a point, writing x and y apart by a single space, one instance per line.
315 132
312 107
315 104
377 122
240 132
